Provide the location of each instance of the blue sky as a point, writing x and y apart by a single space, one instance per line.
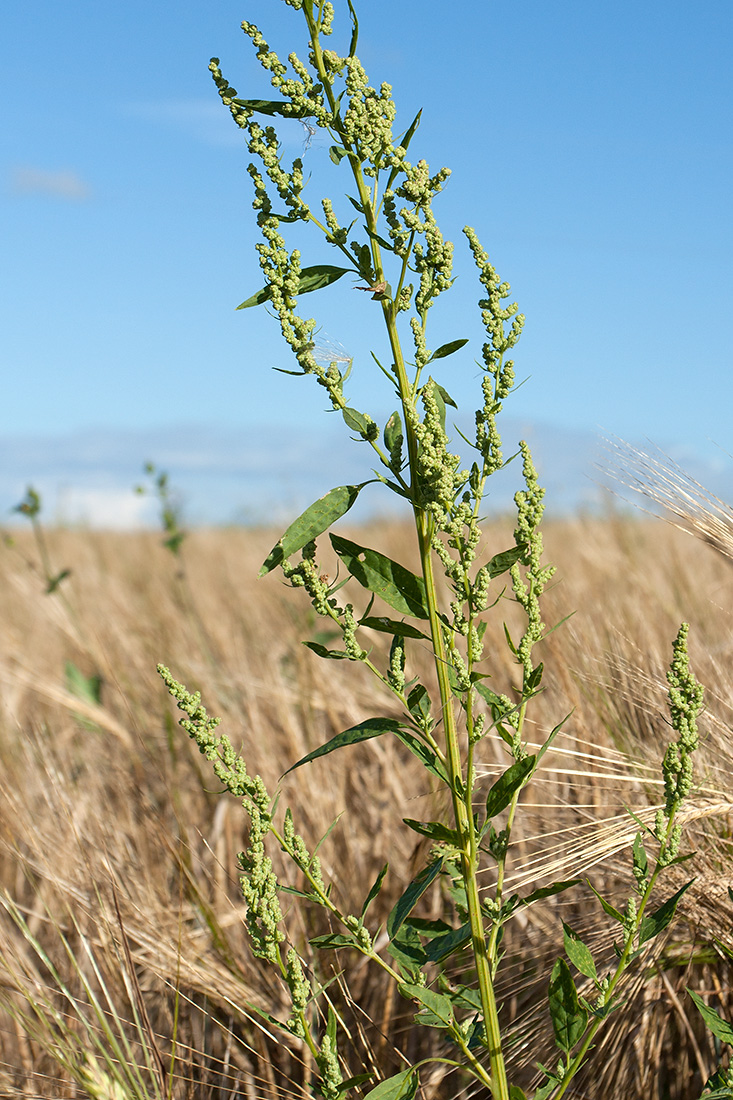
591 149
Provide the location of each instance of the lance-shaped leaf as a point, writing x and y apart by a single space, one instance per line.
376 887
392 626
435 830
715 1023
311 278
569 1020
444 946
273 107
332 940
578 953
447 349
313 522
607 907
652 925
372 727
424 753
412 895
402 1086
396 585
327 654
405 142
502 563
503 790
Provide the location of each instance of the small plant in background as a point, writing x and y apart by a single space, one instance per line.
170 507
30 506
397 254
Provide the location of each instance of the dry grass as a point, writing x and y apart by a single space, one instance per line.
119 856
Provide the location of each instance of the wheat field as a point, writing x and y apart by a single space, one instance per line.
121 929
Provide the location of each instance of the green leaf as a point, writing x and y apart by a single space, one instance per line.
437 1003
549 891
357 205
372 727
353 1082
396 585
327 654
569 1020
424 753
503 790
284 108
640 857
434 829
715 1023
405 142
402 1086
607 907
444 946
652 925
418 703
88 689
502 563
412 895
356 421
332 940
578 953
54 582
376 887
313 522
407 949
392 626
311 278
337 153
448 349
394 435
515 1093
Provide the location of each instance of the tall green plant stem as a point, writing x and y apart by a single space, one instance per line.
461 790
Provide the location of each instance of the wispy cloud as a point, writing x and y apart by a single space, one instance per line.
57 183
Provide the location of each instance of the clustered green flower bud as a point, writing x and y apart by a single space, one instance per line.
329 1069
527 534
300 992
686 703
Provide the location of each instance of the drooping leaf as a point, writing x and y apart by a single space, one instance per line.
444 946
569 1020
578 953
549 891
607 907
412 895
503 790
434 829
376 887
406 948
332 940
311 278
311 523
715 1023
397 586
502 563
392 626
402 1086
447 349
272 107
652 925
423 752
437 1003
327 654
372 727
418 702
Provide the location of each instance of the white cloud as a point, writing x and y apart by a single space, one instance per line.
59 183
112 509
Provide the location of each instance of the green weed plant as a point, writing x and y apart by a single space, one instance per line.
385 237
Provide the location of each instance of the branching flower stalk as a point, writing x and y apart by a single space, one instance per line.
396 253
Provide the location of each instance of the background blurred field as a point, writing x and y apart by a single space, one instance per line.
118 857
